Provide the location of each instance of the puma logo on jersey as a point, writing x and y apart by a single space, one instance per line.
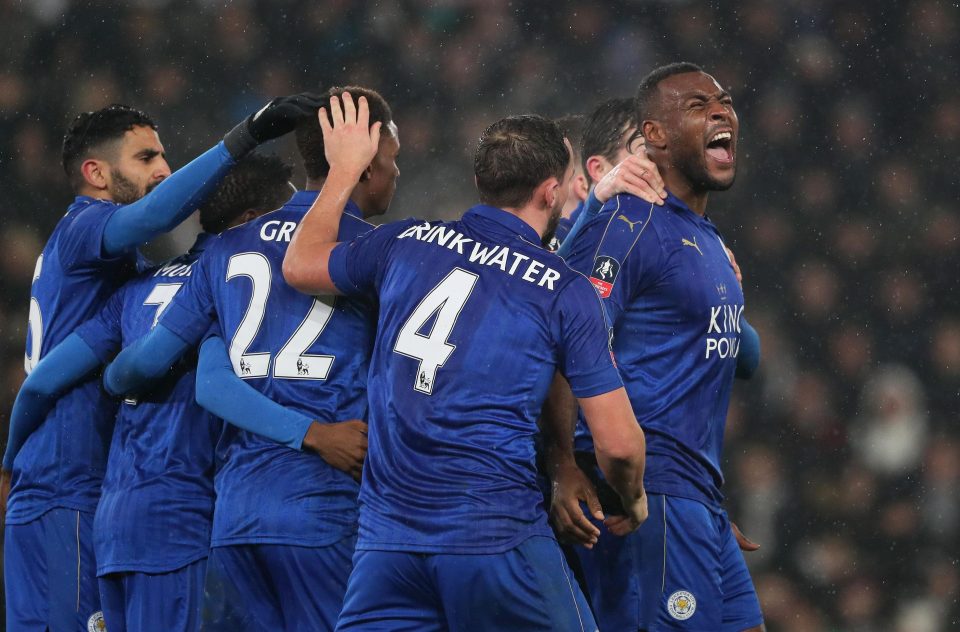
692 244
624 218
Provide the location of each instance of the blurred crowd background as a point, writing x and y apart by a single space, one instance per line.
843 454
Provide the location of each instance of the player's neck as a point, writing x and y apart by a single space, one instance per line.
534 217
357 196
97 194
686 192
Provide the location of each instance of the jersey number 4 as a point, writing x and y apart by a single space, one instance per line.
443 305
292 362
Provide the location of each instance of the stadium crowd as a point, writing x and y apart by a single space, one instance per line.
843 454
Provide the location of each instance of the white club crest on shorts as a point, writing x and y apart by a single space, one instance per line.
681 605
96 623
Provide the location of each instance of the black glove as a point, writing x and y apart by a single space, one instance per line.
275 119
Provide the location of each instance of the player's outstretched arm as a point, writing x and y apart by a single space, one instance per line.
220 391
636 175
178 196
144 362
65 366
621 452
570 485
350 144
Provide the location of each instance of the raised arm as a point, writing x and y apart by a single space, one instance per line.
65 366
350 144
636 175
178 196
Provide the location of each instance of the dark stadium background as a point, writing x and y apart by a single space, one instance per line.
843 455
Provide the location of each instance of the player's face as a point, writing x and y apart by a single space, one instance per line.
702 129
139 166
384 171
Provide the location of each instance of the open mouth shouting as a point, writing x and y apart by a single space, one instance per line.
720 147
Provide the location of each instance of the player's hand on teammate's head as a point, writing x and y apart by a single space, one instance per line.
342 444
571 487
278 117
637 175
349 141
745 543
736 266
636 514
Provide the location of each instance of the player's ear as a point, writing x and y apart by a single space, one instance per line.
367 173
654 135
581 187
95 173
548 192
596 168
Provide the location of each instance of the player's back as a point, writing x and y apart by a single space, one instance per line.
156 506
62 463
676 308
468 336
308 354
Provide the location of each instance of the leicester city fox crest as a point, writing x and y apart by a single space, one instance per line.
605 270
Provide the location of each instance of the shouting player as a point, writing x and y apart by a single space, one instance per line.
677 309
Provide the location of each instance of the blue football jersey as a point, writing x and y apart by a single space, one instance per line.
156 503
62 463
475 318
305 353
676 308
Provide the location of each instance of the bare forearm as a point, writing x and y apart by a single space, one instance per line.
624 471
558 421
305 263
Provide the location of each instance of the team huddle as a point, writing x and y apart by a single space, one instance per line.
509 421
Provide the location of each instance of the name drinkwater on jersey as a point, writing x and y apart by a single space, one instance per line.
723 331
512 263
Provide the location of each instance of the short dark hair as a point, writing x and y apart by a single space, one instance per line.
91 130
647 90
310 136
572 126
603 132
515 155
257 183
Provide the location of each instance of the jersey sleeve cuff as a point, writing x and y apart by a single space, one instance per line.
103 348
190 326
337 268
595 383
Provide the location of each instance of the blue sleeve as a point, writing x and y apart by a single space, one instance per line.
144 362
225 395
170 203
585 356
590 209
62 368
619 252
103 333
748 358
191 312
356 266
